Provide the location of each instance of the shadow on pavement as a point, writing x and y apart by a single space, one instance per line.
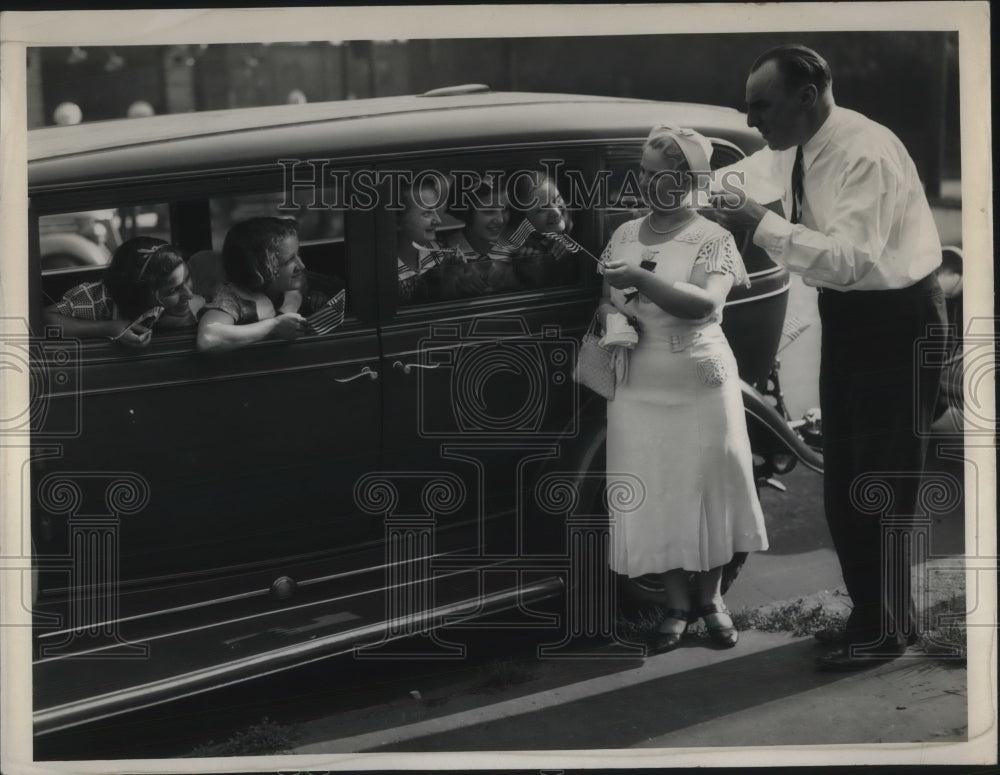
632 715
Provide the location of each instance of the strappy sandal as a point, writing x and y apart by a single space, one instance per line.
726 637
663 642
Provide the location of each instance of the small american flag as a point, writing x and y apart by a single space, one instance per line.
566 241
329 316
570 244
436 256
507 245
792 330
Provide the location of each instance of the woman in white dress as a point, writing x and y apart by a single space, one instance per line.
677 422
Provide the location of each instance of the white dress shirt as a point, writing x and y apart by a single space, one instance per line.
865 222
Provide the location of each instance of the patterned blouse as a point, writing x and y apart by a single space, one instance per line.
434 255
240 309
88 301
459 241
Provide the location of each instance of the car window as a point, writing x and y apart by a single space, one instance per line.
79 241
314 224
624 197
487 230
321 231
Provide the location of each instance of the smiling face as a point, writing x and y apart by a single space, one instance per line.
487 223
175 292
548 210
778 112
419 221
664 184
291 271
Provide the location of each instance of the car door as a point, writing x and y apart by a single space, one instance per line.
478 390
243 464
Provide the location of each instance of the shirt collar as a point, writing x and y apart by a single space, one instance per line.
815 144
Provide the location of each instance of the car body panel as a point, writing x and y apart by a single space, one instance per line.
243 497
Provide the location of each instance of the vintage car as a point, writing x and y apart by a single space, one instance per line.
201 519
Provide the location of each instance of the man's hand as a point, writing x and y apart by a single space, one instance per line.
743 218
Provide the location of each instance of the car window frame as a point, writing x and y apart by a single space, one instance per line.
574 154
176 194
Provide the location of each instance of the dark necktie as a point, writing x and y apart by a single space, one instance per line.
797 173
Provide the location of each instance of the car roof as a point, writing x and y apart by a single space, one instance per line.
350 129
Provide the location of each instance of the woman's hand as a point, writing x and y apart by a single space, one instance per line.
289 325
132 335
291 302
622 275
557 249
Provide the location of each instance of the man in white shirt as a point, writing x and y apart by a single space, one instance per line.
861 231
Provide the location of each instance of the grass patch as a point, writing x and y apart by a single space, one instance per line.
256 740
502 673
799 618
946 639
639 624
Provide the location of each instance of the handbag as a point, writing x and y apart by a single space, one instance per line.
596 365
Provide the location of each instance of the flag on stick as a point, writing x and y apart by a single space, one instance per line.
329 316
429 257
570 244
507 245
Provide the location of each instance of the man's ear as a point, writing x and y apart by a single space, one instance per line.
808 95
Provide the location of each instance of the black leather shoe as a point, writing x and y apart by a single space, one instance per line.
723 636
830 636
843 661
663 642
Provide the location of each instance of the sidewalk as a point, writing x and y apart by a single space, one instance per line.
766 691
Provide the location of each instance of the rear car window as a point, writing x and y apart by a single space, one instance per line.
322 232
83 240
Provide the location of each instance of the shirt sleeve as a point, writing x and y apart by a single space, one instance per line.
756 176
225 301
720 255
87 301
860 225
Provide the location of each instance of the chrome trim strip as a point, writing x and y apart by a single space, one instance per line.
115 703
246 595
248 617
782 289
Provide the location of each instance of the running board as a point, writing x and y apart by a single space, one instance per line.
255 666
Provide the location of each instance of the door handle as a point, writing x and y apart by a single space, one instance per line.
406 368
367 371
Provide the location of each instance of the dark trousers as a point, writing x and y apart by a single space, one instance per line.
876 395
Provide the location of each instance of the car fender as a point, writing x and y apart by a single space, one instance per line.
764 417
80 248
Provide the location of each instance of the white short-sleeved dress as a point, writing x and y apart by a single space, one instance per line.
677 423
